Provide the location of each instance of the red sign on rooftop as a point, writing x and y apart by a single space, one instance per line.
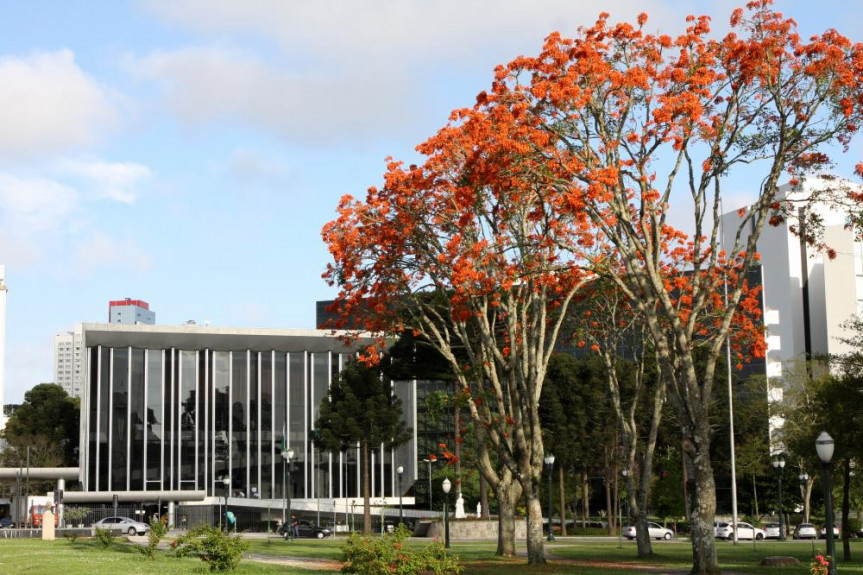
127 301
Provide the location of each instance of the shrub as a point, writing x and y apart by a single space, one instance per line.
388 554
104 538
158 529
221 551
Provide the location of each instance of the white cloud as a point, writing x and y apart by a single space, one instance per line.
453 30
114 180
34 204
254 171
101 250
48 105
348 71
213 83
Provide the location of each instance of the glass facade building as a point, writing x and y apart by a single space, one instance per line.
180 408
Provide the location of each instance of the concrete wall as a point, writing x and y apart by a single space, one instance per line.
472 529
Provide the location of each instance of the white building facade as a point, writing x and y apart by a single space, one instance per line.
806 295
68 370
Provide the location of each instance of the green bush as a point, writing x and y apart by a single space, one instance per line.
388 554
104 538
158 529
221 551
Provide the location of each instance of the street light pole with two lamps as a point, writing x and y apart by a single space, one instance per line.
824 448
549 464
399 471
446 485
287 456
779 466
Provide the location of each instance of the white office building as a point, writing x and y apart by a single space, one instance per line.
806 295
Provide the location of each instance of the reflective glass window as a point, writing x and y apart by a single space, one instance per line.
155 417
119 418
137 421
239 422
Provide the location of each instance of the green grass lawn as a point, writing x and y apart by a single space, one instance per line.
568 556
65 557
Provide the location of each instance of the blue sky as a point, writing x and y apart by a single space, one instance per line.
188 152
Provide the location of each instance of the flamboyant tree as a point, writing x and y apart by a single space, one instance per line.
564 171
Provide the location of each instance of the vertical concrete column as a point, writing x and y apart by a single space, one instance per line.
58 502
171 511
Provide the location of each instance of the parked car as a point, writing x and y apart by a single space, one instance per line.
744 531
822 533
307 529
123 525
6 523
772 531
655 530
805 531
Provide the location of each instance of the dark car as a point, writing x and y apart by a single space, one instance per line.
6 523
306 529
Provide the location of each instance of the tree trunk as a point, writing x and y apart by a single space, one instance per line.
367 507
562 490
846 507
483 496
508 493
755 497
535 538
585 499
702 493
609 507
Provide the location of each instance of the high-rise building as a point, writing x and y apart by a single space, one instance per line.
807 296
130 312
2 343
68 361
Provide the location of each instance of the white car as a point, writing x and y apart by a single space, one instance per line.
772 531
805 531
655 530
122 525
744 531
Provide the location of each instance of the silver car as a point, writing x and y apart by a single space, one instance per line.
655 530
122 525
772 531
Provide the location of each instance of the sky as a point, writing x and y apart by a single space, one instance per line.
188 152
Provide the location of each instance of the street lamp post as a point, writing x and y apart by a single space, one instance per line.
226 481
399 471
779 466
549 465
446 487
287 455
824 447
625 510
804 480
430 461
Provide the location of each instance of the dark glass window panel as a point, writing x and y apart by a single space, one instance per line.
104 403
297 422
222 415
204 415
93 423
169 398
120 419
155 419
253 470
280 412
188 414
239 422
320 387
266 424
137 421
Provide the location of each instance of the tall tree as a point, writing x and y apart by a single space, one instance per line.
555 177
360 408
48 419
575 410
